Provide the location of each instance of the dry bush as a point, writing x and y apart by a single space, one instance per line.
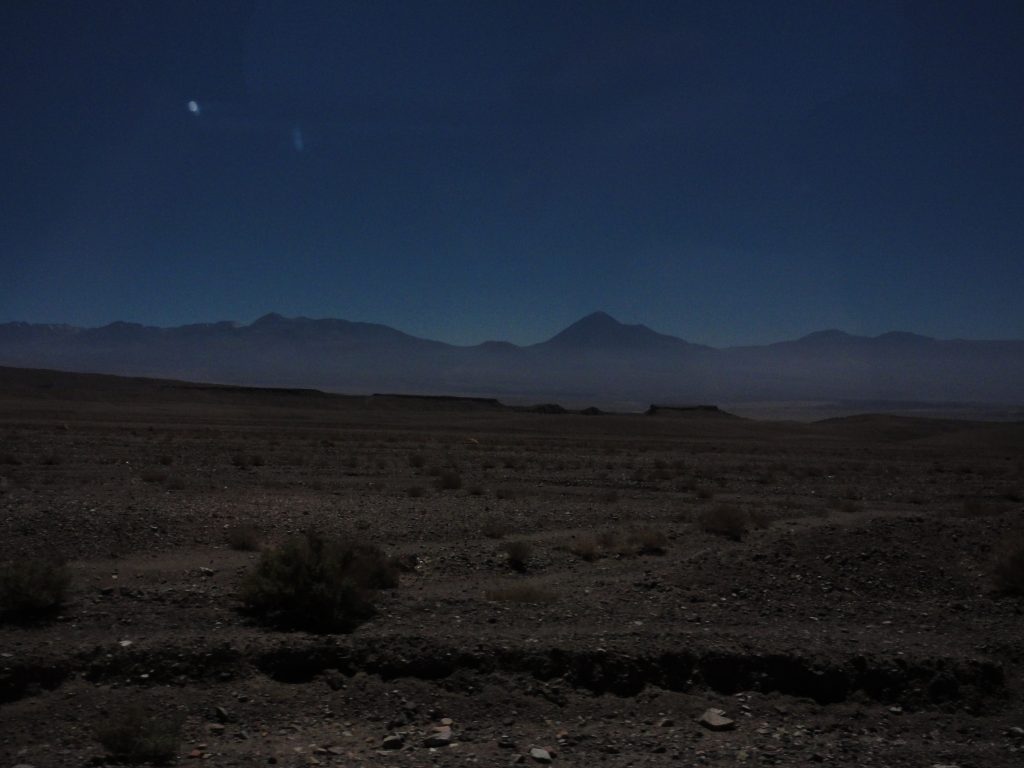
725 520
131 735
519 593
174 483
32 589
648 541
495 527
317 583
415 491
154 475
417 460
243 537
1009 569
504 492
475 490
448 481
586 548
636 541
518 554
982 508
704 493
759 518
610 496
847 506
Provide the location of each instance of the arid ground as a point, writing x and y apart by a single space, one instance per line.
829 586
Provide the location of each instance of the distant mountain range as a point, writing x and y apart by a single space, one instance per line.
596 360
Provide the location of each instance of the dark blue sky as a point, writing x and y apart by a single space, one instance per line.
728 172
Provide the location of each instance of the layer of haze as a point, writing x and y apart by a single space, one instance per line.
727 172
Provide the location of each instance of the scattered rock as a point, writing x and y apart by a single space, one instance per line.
394 741
540 755
714 719
441 737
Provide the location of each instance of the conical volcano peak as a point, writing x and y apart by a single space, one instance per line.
599 330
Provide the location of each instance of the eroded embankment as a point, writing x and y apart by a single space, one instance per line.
913 682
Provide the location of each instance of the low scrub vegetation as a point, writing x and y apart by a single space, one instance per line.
519 593
518 554
132 735
317 583
726 520
448 481
496 527
611 543
32 589
1009 569
243 537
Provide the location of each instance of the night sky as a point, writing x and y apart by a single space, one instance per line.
728 172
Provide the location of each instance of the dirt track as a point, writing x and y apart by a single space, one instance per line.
855 623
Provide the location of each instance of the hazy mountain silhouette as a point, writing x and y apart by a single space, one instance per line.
595 360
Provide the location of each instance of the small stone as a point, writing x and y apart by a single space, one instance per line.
215 728
540 755
394 741
714 719
222 715
666 722
441 737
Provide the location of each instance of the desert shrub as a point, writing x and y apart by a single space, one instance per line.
724 520
518 554
31 589
131 735
415 491
648 541
417 460
759 518
244 537
495 527
982 508
519 593
1009 569
610 496
504 492
586 548
154 475
704 493
174 483
1013 494
448 481
475 490
317 583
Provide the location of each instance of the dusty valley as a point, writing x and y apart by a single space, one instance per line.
573 589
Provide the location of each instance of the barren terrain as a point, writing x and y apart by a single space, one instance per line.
854 622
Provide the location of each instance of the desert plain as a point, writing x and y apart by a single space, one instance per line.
575 589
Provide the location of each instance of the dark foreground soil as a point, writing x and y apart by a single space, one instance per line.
855 621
